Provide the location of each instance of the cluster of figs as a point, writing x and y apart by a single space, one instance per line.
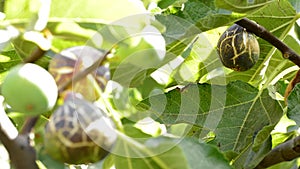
78 131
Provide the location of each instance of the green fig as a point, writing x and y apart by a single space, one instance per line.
30 89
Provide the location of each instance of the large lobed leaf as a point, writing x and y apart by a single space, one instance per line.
242 6
171 153
235 113
293 101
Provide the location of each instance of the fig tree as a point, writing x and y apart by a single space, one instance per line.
30 89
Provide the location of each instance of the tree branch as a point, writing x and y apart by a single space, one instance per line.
263 33
21 153
286 151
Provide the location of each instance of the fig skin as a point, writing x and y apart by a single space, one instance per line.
30 89
69 62
238 49
78 132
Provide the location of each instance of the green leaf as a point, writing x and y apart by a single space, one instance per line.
194 10
134 132
165 3
297 29
296 5
107 164
228 111
202 59
132 155
20 9
242 6
8 60
201 155
279 138
278 64
129 67
2 6
183 26
255 157
28 14
163 152
293 100
289 165
196 16
48 162
70 34
94 9
148 86
261 137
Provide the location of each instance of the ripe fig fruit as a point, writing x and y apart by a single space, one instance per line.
79 132
29 88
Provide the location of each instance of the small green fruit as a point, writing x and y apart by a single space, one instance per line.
30 89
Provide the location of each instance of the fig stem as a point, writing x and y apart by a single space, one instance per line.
263 33
31 121
84 73
35 55
29 124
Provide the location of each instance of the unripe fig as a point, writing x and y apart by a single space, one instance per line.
238 49
28 88
79 132
69 62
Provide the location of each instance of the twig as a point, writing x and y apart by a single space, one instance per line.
84 73
35 55
286 151
21 154
263 33
28 125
